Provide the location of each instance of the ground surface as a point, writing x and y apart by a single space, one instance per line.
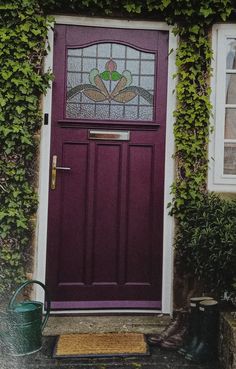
158 359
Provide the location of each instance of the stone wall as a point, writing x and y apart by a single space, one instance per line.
227 344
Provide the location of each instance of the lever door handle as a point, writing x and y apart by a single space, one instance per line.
63 168
54 171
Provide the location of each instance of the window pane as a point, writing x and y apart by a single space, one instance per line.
89 51
230 158
231 53
230 123
73 64
111 81
230 88
117 51
74 52
147 56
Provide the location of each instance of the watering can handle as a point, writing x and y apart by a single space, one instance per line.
21 287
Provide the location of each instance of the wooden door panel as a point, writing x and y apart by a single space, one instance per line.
71 265
139 216
106 213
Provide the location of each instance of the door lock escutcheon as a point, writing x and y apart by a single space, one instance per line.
54 171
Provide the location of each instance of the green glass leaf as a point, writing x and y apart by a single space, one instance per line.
105 75
115 76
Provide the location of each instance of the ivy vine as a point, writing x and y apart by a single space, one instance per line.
23 36
191 129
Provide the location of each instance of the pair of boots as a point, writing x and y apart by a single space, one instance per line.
172 337
201 342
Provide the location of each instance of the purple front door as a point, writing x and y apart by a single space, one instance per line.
107 168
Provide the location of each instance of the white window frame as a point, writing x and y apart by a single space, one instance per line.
217 180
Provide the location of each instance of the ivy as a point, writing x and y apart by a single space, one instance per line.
184 12
23 36
191 129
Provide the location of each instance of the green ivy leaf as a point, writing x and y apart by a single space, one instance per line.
206 11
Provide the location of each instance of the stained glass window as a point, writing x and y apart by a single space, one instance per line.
110 81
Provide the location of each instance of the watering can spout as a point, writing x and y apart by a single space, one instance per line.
26 323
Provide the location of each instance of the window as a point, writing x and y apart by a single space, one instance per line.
110 81
222 173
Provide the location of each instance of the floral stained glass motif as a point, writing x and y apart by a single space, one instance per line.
110 81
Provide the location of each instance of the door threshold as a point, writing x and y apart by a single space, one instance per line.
105 312
141 323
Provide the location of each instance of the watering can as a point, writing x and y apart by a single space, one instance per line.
25 323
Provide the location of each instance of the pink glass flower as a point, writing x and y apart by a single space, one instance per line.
111 65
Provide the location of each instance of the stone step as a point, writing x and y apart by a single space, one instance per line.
147 324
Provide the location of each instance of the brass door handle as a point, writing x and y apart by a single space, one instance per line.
54 171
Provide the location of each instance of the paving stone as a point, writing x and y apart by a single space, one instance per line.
158 359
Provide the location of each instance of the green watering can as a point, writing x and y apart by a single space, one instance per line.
25 323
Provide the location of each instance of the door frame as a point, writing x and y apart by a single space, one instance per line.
44 158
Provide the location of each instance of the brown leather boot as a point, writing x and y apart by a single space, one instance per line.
176 340
174 326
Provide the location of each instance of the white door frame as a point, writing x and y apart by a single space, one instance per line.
168 229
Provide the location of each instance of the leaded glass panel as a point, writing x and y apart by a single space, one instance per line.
110 81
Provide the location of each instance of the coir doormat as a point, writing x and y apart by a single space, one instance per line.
100 344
